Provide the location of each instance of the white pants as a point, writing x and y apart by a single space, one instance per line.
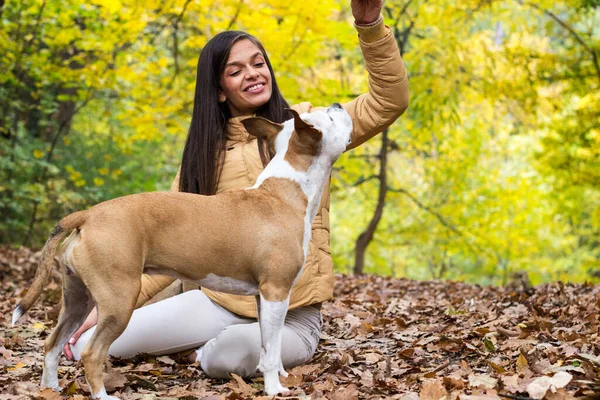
231 342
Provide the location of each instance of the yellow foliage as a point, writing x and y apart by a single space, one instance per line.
98 181
112 6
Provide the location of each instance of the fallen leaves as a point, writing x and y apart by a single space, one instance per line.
538 388
114 381
382 338
482 381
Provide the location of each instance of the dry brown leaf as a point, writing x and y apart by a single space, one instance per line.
433 389
366 379
511 383
239 385
49 394
291 380
538 388
349 392
454 382
305 369
410 396
561 394
522 363
482 381
372 358
114 380
166 359
497 368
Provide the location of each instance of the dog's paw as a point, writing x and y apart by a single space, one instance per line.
50 381
103 396
272 384
272 390
54 387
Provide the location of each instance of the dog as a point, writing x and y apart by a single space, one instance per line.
196 238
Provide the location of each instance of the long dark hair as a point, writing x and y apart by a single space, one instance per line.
204 149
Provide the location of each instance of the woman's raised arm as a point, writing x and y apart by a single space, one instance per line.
387 97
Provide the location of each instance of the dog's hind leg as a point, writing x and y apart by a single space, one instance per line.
77 304
115 299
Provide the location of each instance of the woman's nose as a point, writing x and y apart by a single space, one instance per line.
252 73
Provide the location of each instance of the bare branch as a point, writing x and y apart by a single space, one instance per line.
365 179
236 15
365 156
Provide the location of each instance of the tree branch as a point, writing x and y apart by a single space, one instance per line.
363 180
235 16
473 247
36 26
365 238
573 33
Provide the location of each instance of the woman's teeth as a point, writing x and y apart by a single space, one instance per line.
255 87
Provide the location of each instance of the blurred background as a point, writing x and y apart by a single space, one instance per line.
492 174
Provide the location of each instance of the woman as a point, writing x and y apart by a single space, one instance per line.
235 80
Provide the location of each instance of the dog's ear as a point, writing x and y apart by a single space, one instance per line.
302 127
262 128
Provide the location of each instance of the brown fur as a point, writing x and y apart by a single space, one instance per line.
256 235
302 152
164 231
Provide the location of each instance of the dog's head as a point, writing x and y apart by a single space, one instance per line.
322 134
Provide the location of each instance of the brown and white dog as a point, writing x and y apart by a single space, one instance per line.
196 238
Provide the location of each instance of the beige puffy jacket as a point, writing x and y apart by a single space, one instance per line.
371 113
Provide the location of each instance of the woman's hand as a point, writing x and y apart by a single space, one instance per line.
366 11
90 321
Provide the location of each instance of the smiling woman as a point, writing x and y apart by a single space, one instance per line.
234 81
230 64
246 81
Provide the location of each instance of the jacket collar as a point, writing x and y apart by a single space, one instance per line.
236 131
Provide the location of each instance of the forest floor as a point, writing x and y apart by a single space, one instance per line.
382 338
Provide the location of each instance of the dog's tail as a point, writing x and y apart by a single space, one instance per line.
66 225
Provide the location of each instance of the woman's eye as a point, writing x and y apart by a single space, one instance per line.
258 65
234 73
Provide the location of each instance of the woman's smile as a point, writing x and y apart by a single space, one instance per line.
258 88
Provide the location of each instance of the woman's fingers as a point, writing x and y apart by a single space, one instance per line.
366 11
67 350
89 322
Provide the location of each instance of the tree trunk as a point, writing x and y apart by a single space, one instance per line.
363 240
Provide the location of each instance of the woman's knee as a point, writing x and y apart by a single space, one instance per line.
235 350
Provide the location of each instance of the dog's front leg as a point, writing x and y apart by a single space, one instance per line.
271 318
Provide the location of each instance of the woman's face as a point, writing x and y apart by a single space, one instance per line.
246 80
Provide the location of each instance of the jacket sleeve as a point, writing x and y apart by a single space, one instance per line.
387 97
154 284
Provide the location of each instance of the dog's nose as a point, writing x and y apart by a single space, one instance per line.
336 105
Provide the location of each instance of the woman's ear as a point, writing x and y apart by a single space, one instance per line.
222 97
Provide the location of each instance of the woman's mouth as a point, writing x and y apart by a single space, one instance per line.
258 88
